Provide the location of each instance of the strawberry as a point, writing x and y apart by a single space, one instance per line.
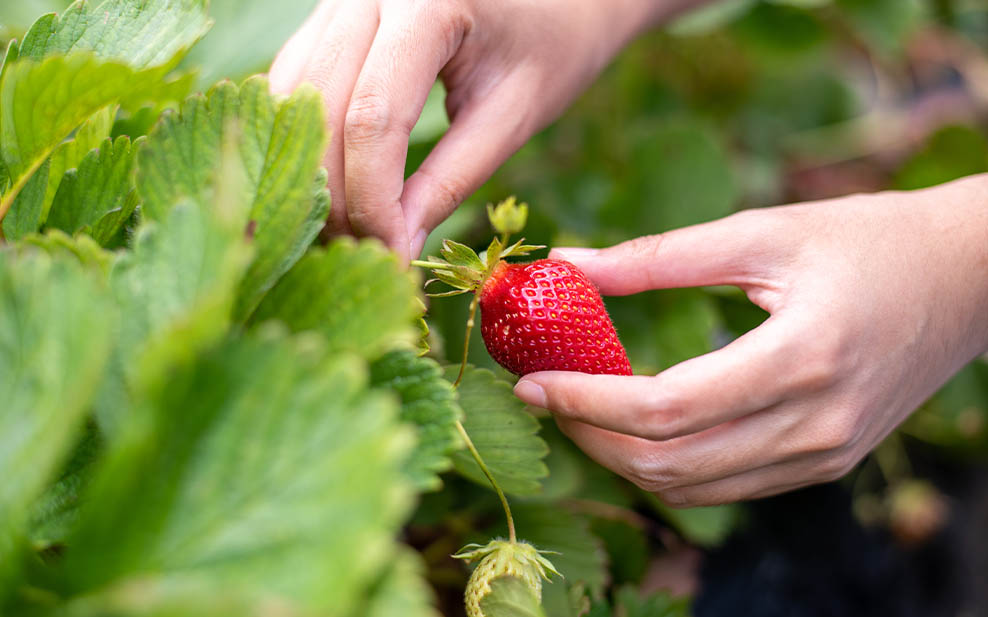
503 558
540 316
548 316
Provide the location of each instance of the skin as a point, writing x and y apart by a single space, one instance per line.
875 300
507 75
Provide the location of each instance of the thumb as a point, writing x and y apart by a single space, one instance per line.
724 252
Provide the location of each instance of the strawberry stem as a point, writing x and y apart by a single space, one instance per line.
463 430
466 340
497 488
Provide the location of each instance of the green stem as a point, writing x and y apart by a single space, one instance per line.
497 488
463 431
466 340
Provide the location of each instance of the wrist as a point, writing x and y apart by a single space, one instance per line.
959 224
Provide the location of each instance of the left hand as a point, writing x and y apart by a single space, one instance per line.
875 301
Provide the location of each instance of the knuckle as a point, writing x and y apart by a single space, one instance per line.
368 117
822 366
677 499
836 435
650 472
663 418
450 192
837 466
644 248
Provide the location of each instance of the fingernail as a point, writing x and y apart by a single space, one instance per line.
531 392
572 253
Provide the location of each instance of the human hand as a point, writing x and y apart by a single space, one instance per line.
509 69
875 301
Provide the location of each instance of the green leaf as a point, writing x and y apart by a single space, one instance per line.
956 416
581 557
70 152
707 526
222 54
402 591
280 146
429 403
630 603
503 432
510 597
57 510
54 340
141 34
25 212
266 475
13 50
42 102
177 290
81 248
682 176
100 186
952 152
355 294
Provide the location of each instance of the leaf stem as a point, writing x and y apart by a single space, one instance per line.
497 488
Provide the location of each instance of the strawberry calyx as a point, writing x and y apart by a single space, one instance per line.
463 269
500 558
506 551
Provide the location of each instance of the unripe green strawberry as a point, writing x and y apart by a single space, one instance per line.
502 558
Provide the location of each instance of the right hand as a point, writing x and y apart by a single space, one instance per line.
510 67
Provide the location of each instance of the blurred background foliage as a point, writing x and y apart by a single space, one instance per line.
748 103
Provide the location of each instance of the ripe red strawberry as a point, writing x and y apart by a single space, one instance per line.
548 316
540 316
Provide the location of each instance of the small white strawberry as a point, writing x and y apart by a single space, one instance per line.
503 558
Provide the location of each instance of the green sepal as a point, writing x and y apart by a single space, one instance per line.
460 255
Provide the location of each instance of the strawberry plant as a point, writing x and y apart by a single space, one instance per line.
206 411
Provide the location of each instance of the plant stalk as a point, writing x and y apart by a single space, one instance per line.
497 488
463 431
466 340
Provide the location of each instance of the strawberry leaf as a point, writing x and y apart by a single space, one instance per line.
54 340
25 211
101 186
428 402
41 103
177 289
141 34
355 294
503 432
70 152
279 145
263 473
401 591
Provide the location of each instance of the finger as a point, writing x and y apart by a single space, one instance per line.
483 134
644 463
334 65
410 49
754 484
756 371
736 250
760 440
289 65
